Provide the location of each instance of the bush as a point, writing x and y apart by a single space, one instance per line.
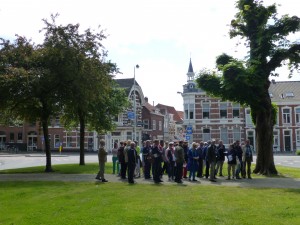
298 152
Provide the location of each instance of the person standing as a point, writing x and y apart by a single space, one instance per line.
220 158
193 157
239 154
114 152
200 160
206 145
247 158
121 157
147 159
231 156
179 156
138 160
157 159
131 161
211 158
102 158
171 161
185 149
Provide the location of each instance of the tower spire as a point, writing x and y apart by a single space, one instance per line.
190 74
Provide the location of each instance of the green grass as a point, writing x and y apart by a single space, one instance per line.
120 203
92 168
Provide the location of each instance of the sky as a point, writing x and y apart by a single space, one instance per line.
159 35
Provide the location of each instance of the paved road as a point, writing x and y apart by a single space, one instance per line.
28 160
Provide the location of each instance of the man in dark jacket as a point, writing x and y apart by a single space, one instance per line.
131 158
147 159
211 157
179 155
121 158
157 159
239 154
220 158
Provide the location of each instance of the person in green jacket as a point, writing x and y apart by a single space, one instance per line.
102 158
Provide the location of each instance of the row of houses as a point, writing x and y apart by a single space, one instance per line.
203 118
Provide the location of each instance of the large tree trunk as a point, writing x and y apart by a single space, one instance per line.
264 140
47 145
82 134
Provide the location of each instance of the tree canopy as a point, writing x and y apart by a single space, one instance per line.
247 81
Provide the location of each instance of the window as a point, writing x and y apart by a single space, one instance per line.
286 114
12 137
223 110
68 140
205 110
146 124
236 110
298 137
57 122
224 135
236 133
153 124
129 135
206 134
297 112
20 137
189 111
56 141
160 125
77 139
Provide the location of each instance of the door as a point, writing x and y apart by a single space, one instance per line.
287 140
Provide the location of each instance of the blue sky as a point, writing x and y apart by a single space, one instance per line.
159 35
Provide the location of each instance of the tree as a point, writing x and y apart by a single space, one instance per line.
28 86
247 82
91 88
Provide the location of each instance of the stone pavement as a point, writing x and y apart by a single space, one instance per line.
260 182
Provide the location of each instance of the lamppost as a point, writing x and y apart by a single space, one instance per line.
134 103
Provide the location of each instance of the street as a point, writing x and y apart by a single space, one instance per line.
10 161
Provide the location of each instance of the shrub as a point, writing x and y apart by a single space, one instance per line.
298 152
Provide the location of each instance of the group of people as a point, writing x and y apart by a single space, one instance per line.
157 157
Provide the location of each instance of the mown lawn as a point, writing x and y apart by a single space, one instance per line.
92 168
120 203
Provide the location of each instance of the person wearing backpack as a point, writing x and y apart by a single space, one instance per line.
247 158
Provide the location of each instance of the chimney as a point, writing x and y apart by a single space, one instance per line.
146 99
273 81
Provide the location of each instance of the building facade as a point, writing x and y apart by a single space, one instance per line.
206 117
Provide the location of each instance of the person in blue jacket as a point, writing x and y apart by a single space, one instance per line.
193 157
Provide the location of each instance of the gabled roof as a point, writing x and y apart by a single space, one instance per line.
285 91
181 114
126 83
152 109
171 110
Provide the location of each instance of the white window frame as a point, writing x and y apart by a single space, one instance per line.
153 124
159 125
286 117
297 115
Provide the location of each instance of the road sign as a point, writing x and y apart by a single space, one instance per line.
187 137
189 130
130 115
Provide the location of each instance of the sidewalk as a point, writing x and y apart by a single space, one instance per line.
253 183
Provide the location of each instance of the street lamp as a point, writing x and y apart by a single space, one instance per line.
134 102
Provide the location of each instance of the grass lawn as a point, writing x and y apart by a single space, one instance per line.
92 168
120 203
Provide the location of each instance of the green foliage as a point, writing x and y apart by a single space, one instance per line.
298 152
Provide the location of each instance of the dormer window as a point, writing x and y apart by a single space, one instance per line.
191 86
289 94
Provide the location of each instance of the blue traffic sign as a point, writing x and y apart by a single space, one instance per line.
130 115
187 137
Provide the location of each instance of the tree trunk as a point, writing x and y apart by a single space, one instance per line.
82 134
264 140
47 145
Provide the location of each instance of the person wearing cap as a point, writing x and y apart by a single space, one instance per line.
170 151
179 155
102 158
212 158
193 157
